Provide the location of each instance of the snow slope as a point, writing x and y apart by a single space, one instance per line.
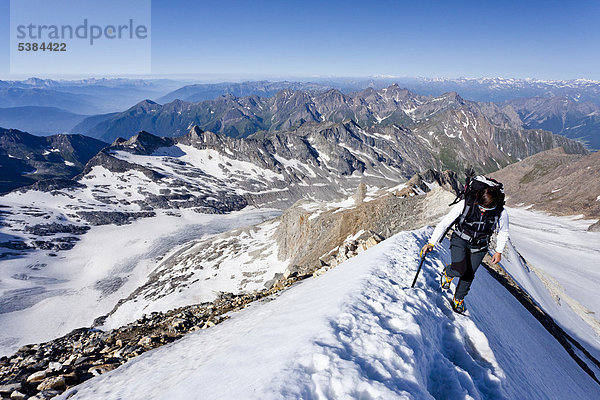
563 248
360 331
563 275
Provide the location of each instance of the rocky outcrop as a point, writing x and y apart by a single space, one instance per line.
142 143
305 239
114 164
423 182
52 228
595 227
52 185
112 217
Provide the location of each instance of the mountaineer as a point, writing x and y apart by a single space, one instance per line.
479 213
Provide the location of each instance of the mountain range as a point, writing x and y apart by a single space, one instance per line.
43 106
503 89
288 109
208 91
477 89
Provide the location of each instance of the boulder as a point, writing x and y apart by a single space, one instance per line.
36 376
16 395
53 383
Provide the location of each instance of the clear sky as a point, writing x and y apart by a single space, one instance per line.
277 39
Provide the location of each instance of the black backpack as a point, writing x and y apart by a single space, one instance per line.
474 184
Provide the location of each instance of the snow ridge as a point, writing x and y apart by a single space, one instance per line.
396 342
359 331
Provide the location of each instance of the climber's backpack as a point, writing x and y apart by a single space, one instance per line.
474 184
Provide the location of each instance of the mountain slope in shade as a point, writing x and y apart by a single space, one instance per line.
360 331
26 159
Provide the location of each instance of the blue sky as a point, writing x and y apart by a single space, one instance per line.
279 39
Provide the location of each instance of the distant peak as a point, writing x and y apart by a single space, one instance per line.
452 96
144 135
147 101
333 92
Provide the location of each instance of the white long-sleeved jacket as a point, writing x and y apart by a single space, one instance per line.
455 212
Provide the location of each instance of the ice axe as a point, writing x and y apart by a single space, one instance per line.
418 270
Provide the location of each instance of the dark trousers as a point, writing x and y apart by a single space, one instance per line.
465 261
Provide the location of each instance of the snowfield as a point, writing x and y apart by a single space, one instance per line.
44 297
360 331
241 260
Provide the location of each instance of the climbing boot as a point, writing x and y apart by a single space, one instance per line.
445 280
458 305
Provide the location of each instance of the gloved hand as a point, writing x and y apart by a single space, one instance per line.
426 249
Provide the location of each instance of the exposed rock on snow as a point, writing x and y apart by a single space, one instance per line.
51 229
595 227
112 217
306 233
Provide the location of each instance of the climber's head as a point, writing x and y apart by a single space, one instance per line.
488 198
